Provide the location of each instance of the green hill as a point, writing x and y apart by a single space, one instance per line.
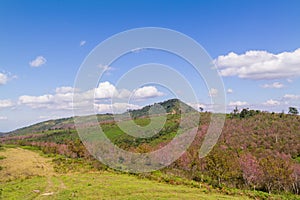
256 150
170 106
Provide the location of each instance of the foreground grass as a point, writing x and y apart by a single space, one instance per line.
104 185
27 175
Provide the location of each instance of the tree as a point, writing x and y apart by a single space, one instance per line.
251 170
277 173
222 166
293 111
236 110
201 109
244 113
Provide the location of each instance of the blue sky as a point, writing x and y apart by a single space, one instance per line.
43 43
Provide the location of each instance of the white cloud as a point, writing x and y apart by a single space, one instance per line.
138 50
115 107
146 92
38 61
3 118
82 43
230 91
271 102
62 99
260 65
276 85
291 97
3 79
196 106
36 101
105 90
213 92
6 103
64 89
238 103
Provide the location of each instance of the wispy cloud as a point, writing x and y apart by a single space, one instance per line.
276 85
238 103
3 118
82 43
291 97
105 68
38 61
138 50
3 79
271 102
6 103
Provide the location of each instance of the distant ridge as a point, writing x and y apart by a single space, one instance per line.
171 106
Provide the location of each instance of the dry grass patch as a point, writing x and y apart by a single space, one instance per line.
22 163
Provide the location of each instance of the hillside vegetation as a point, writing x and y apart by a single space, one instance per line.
28 175
257 151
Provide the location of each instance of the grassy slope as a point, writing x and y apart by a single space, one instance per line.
31 176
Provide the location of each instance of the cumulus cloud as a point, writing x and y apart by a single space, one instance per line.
38 61
276 85
82 43
238 103
146 92
271 102
36 101
62 99
260 65
6 103
105 90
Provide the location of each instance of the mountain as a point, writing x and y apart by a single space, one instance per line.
172 106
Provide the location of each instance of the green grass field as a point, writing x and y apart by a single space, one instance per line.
26 174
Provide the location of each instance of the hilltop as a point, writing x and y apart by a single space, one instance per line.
174 106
